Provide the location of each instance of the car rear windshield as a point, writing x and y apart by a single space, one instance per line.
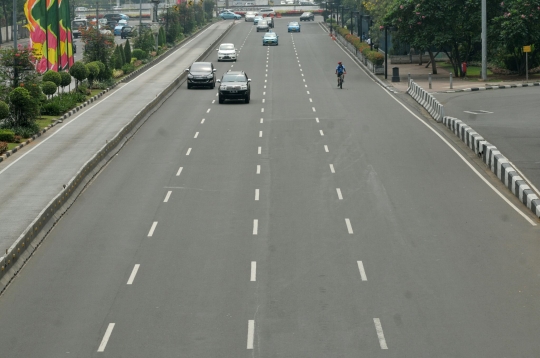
234 78
201 67
270 34
226 47
263 22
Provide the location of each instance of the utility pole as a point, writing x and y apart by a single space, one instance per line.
14 24
484 41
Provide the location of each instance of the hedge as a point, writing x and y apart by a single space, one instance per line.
7 135
373 56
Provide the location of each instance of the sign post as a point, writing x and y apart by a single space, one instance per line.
527 49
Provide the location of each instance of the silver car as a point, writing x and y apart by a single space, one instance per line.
250 15
262 25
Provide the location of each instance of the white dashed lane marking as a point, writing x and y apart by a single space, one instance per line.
260 134
380 333
202 121
152 229
166 200
258 169
196 135
179 171
208 111
349 227
317 120
322 133
133 274
332 168
326 148
253 277
188 151
256 194
259 150
255 227
362 271
340 197
251 333
106 337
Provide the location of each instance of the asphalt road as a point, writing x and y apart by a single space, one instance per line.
507 119
312 222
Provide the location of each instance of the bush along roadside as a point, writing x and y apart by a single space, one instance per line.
373 56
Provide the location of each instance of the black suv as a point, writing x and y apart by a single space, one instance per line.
127 32
234 85
201 74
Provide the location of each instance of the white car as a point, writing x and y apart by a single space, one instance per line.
267 12
226 52
117 7
250 15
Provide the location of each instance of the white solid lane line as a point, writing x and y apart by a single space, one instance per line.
255 226
362 271
332 168
253 271
188 151
133 274
256 194
167 196
322 133
179 171
202 121
340 197
380 333
326 148
260 134
259 150
251 333
258 169
106 337
349 227
151 232
196 135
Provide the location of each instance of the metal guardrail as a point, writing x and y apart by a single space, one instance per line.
426 100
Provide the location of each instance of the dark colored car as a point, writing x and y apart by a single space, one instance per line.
201 74
127 32
234 85
112 18
307 16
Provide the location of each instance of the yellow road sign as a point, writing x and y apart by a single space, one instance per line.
526 48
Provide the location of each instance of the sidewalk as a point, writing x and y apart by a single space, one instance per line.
441 81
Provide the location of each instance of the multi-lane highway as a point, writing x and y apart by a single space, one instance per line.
311 222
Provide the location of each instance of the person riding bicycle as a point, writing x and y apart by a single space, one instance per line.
340 71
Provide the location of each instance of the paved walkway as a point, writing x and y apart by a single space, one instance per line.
441 81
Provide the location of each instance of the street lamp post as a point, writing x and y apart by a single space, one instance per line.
356 16
386 50
331 17
341 8
352 23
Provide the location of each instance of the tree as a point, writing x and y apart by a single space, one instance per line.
65 79
48 87
93 72
122 54
97 46
117 59
127 51
4 110
16 66
517 25
22 107
79 72
53 77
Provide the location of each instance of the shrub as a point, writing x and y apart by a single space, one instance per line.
7 135
93 72
4 110
66 79
79 71
26 131
53 77
62 103
375 57
139 54
17 139
127 51
83 89
3 147
128 68
48 87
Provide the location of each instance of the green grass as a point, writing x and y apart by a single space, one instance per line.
10 146
45 121
472 71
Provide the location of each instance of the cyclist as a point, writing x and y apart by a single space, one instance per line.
341 71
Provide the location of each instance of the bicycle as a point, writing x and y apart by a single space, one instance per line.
340 81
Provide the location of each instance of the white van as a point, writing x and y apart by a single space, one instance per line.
265 11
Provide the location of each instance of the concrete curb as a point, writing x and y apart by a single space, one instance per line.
68 114
23 248
497 163
487 88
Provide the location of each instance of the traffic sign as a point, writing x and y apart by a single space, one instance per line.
527 48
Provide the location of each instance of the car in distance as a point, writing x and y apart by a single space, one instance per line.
250 15
267 12
230 15
234 85
226 52
115 8
307 16
270 38
81 9
262 25
127 32
293 27
257 19
118 29
201 74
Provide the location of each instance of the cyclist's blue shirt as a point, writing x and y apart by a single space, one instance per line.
340 69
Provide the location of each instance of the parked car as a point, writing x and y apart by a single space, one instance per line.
201 74
293 27
250 15
257 19
307 16
127 32
230 15
81 9
116 8
270 38
77 25
226 52
234 85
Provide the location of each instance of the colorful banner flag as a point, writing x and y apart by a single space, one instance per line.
65 41
36 14
52 34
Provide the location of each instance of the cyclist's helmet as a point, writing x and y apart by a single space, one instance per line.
339 63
